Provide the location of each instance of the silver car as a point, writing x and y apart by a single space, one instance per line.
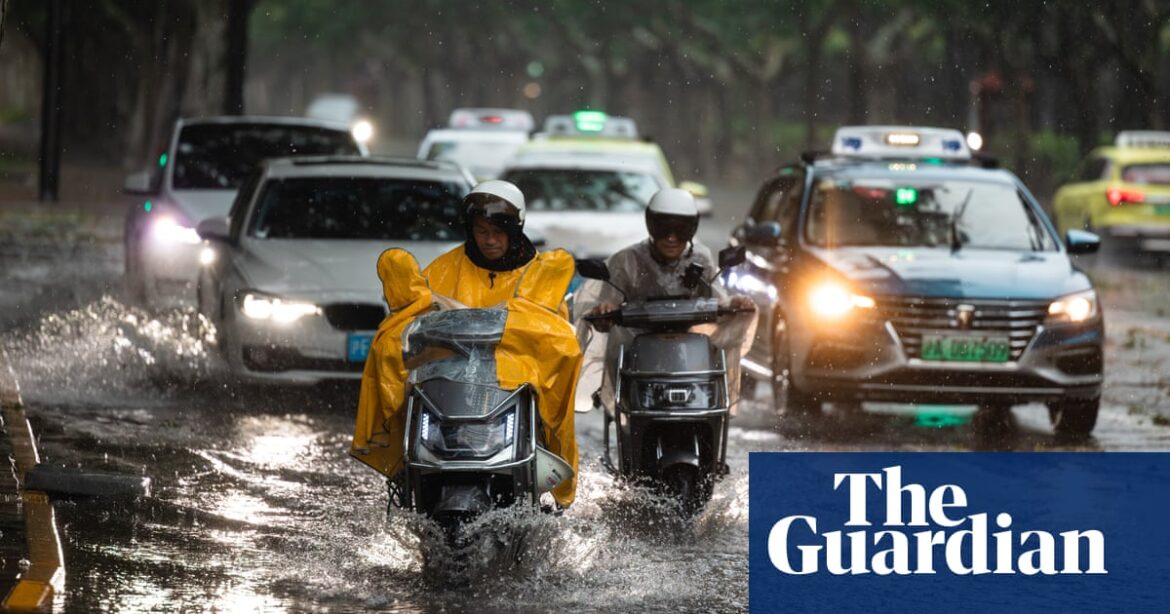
289 277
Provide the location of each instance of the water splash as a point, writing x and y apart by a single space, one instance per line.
108 349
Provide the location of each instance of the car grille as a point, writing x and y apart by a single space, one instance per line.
354 316
912 317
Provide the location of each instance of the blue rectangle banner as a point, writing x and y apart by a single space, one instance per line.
959 532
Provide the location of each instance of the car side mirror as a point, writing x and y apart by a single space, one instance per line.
1081 242
766 234
593 268
732 256
139 183
214 229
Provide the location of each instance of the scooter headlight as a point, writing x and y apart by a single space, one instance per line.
678 395
467 439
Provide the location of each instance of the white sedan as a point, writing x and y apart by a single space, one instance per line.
289 277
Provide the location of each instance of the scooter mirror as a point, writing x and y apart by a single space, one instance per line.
593 268
732 256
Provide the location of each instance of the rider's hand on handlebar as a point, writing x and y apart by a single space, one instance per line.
602 326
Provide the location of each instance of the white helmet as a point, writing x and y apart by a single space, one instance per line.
496 200
672 210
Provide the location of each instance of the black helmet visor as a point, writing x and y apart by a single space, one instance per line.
662 225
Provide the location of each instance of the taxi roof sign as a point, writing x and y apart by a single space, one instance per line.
491 119
1143 138
900 142
591 123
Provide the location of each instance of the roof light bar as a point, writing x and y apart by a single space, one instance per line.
901 143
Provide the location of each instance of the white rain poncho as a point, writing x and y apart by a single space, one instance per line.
641 277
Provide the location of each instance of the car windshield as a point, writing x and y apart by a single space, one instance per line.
909 212
1147 174
584 190
220 156
359 208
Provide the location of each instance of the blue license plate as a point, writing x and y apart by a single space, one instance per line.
357 346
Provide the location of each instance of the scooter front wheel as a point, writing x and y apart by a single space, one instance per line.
688 488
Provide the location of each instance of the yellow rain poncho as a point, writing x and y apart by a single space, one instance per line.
377 436
538 347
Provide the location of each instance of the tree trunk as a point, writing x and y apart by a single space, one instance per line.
236 56
3 10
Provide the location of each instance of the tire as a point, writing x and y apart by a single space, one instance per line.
1074 418
691 490
789 401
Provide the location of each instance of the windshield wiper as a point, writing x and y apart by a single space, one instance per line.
956 240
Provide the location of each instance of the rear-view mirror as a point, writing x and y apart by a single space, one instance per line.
766 234
1081 242
732 256
593 268
214 228
139 183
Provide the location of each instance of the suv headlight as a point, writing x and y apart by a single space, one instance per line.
1074 307
467 439
259 306
831 300
678 395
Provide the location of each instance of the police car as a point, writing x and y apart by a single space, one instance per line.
897 270
481 139
1122 192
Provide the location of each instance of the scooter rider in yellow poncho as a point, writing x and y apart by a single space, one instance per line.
496 266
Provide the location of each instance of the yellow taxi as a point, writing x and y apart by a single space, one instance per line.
594 134
1122 193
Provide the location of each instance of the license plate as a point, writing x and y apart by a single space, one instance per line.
357 346
965 348
1162 209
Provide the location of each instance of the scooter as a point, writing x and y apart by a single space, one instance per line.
470 445
671 404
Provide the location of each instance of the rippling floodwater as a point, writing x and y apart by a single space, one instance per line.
257 507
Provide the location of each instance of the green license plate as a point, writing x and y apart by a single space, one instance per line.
956 348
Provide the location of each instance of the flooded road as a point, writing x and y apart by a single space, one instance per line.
257 507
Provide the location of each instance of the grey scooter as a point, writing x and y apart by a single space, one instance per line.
671 401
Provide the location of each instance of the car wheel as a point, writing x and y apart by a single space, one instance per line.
790 401
1074 417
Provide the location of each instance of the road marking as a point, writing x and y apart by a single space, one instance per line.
46 572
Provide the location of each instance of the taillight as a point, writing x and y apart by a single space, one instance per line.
1119 196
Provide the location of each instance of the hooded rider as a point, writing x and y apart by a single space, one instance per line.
496 266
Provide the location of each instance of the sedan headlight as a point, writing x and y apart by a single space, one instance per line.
467 439
1074 307
678 395
831 300
266 307
167 229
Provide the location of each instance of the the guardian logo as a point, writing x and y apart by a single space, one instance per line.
924 533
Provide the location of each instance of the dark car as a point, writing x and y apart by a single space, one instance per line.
896 270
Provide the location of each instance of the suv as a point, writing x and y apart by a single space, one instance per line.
196 178
897 271
289 277
1123 192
